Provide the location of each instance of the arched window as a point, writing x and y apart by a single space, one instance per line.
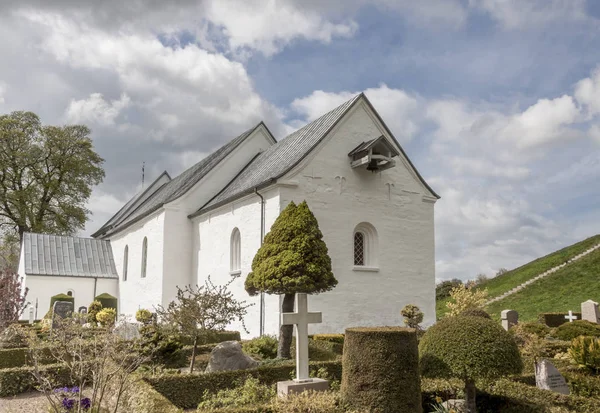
235 252
125 262
365 245
144 256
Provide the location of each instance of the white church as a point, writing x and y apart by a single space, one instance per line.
375 211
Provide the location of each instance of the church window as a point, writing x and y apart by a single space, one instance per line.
125 262
365 247
235 252
144 256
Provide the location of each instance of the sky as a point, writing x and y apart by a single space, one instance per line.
496 102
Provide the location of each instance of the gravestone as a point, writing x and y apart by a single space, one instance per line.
82 310
31 318
590 312
127 331
510 318
61 309
301 319
547 377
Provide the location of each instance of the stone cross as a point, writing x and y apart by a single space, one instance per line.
301 319
510 318
590 312
571 317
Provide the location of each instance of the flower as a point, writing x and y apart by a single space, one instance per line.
68 403
75 389
86 403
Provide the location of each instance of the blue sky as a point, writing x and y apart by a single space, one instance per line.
497 102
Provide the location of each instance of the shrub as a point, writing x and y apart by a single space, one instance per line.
413 316
332 338
585 352
248 393
584 385
319 350
463 298
442 290
468 348
265 347
143 316
106 316
569 331
19 357
21 379
13 336
311 402
93 309
381 370
475 312
142 398
61 297
107 301
186 391
535 328
555 319
164 348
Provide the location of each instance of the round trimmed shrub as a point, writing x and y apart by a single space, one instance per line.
143 316
380 370
468 348
569 331
107 301
475 312
93 309
106 316
264 347
61 297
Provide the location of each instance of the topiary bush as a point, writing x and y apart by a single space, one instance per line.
585 352
264 347
93 309
468 348
107 301
61 297
143 316
107 316
475 312
569 331
381 370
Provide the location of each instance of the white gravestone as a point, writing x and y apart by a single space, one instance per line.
547 377
571 317
301 319
510 318
590 312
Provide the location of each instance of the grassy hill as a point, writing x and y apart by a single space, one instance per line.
507 281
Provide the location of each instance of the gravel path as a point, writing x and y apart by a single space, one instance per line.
32 402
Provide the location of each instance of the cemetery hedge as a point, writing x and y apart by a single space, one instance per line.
107 301
555 319
214 337
19 357
333 338
20 379
186 391
569 331
61 297
475 312
381 369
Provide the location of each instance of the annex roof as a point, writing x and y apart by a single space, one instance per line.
59 255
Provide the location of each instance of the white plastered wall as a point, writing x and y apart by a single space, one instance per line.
212 248
341 198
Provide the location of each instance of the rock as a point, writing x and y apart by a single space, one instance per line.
228 355
127 331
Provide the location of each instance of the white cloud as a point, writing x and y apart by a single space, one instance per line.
96 110
587 92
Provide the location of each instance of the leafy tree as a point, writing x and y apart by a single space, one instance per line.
199 311
46 175
12 298
468 348
293 259
464 298
9 251
442 289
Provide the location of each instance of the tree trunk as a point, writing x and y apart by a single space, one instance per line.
470 393
193 361
285 332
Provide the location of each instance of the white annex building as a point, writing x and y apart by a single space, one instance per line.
375 211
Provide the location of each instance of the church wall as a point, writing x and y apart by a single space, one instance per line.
42 287
177 264
212 253
137 292
341 198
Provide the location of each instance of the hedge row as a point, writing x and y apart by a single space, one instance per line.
186 391
19 380
144 399
214 337
19 357
555 319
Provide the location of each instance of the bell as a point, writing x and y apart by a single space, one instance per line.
372 166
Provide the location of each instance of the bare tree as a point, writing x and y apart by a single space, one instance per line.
199 311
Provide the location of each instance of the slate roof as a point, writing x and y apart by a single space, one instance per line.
68 256
280 158
178 186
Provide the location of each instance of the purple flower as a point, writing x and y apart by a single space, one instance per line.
68 403
86 403
75 390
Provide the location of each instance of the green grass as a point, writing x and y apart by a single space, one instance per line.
562 291
498 285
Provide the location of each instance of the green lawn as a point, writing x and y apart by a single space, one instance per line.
562 291
498 285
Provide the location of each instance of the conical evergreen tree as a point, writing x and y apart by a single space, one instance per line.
293 259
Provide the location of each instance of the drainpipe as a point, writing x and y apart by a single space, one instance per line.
262 236
95 284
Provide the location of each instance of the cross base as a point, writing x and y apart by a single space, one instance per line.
290 387
302 380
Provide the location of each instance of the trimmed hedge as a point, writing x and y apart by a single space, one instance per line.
214 337
569 331
333 338
186 391
555 319
19 380
19 357
144 399
475 312
381 370
107 301
61 297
